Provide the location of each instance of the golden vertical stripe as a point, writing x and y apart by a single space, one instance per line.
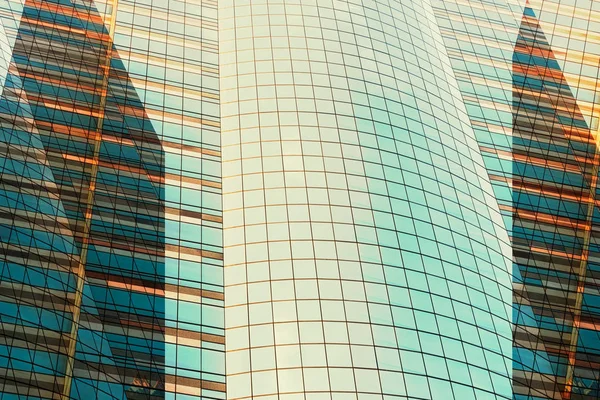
582 273
89 207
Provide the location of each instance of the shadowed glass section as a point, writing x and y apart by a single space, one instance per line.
38 257
107 165
120 100
555 172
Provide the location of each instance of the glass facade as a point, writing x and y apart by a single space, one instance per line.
528 74
555 168
299 199
112 282
365 252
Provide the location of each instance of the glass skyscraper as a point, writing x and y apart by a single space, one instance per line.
299 199
112 257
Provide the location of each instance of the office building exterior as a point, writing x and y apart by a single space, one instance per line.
555 168
111 236
312 199
528 73
359 221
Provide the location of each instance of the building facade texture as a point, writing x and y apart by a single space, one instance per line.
299 199
555 168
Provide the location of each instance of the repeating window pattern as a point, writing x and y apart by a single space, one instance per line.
170 50
555 168
554 85
365 254
571 28
480 37
35 294
111 235
381 162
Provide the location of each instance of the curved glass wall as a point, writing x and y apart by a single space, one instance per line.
364 251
